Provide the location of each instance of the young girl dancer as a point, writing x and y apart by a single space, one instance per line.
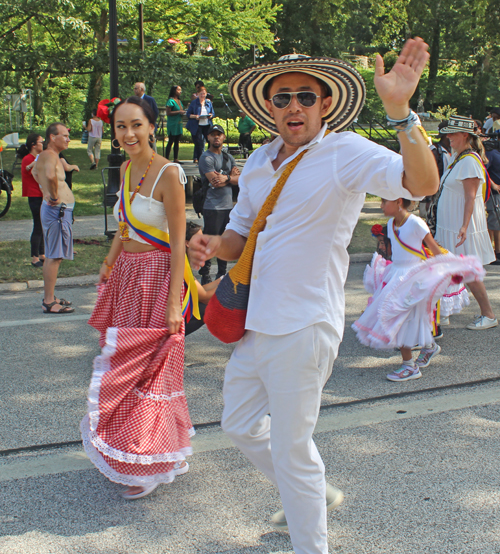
405 291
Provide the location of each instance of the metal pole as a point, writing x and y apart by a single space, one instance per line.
141 27
115 159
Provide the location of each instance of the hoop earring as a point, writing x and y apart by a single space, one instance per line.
151 139
114 145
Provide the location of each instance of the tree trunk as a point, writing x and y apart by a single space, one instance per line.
315 39
480 87
38 81
101 67
433 64
93 93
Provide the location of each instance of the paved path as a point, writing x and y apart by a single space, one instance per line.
418 461
88 226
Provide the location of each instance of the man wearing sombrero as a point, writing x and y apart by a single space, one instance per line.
295 318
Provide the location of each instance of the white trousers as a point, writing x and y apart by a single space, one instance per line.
283 376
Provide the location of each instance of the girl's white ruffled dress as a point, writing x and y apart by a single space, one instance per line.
405 292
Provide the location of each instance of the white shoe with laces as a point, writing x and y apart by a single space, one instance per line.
482 322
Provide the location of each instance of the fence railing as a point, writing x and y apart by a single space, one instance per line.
377 132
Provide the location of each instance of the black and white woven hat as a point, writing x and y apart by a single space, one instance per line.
459 124
346 84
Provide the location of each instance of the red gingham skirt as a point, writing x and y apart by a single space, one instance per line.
138 429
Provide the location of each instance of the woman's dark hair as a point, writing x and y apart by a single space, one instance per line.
191 229
93 113
25 149
196 83
146 108
173 91
406 203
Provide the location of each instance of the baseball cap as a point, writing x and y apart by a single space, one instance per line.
217 128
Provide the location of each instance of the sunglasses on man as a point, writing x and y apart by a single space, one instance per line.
306 99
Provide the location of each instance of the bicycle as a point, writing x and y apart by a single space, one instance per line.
6 188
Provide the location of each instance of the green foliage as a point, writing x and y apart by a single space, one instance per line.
59 48
373 108
443 113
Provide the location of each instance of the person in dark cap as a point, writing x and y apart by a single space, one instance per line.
219 174
300 198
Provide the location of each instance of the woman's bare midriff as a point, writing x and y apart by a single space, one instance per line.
135 247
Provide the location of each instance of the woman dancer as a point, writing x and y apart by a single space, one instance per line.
461 220
138 430
175 111
28 152
405 292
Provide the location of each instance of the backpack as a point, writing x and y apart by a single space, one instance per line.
200 195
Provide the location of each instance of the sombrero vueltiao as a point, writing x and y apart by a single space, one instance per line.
459 124
347 86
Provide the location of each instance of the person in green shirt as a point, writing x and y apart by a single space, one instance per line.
175 111
246 127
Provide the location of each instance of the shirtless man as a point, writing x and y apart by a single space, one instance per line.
56 214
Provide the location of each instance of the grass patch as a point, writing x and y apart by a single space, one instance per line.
362 240
15 259
87 185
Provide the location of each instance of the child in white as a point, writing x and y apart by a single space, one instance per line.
405 292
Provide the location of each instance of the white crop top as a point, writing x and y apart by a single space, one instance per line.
148 210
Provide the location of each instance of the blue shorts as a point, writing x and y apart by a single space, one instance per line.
57 231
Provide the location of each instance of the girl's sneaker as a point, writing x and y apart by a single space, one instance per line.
426 355
405 372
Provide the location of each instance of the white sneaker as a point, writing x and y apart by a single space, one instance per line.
444 321
334 498
482 322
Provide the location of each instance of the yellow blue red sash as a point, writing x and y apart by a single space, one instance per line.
487 180
159 239
422 253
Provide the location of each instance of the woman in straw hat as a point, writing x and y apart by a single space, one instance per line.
461 218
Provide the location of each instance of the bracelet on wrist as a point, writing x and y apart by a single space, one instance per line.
105 262
53 199
405 125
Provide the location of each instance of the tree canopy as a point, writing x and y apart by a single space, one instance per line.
59 48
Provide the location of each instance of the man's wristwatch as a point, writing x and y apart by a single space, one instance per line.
228 179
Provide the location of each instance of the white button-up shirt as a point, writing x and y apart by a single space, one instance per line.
301 261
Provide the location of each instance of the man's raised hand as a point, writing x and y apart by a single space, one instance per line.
397 87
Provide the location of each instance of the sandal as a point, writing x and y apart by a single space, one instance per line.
63 310
63 302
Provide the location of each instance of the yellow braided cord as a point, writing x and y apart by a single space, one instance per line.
423 133
242 271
